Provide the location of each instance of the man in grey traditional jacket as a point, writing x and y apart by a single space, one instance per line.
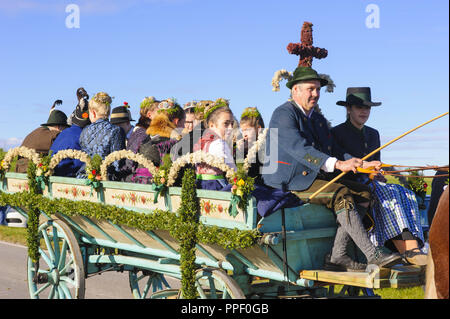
306 157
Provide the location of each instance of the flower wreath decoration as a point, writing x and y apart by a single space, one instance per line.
252 112
147 102
240 193
220 102
23 151
251 155
69 153
197 158
168 106
117 155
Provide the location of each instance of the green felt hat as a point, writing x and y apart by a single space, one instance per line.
358 96
303 73
56 117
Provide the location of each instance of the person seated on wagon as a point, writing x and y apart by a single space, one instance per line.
306 151
395 211
187 142
42 138
189 110
162 134
69 138
251 126
121 117
148 106
219 121
101 137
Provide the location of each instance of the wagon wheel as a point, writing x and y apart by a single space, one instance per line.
148 284
61 273
216 284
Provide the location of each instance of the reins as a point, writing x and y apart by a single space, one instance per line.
371 170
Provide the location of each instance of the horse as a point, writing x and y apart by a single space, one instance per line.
436 277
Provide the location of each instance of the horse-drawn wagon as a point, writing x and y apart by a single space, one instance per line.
117 226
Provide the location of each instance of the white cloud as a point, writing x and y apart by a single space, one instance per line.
11 142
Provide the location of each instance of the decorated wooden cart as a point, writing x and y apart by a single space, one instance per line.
89 226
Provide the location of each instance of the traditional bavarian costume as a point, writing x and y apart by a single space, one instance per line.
209 177
395 210
304 147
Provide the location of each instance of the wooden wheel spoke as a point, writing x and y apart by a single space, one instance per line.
146 288
67 280
48 244
200 291
64 269
47 259
62 256
65 290
225 294
56 244
52 292
212 287
37 292
61 292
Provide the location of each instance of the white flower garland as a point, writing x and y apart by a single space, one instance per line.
197 158
278 76
23 151
117 155
251 155
70 153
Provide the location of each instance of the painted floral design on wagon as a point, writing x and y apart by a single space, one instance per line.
74 191
21 186
208 207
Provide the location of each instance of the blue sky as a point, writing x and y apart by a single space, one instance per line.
205 49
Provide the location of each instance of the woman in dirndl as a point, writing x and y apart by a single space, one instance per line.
395 209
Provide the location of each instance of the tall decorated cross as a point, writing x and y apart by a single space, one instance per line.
305 48
307 52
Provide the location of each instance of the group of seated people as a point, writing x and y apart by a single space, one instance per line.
165 127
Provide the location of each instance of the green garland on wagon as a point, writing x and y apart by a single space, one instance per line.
33 215
186 234
157 220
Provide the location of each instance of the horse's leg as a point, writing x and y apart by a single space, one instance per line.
430 287
439 244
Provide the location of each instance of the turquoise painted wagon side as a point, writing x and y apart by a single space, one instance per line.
77 247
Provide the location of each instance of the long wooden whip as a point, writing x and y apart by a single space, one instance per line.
374 152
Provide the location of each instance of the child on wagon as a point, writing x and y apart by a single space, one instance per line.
219 124
161 136
251 126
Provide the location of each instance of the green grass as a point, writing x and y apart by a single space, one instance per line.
401 293
13 235
394 180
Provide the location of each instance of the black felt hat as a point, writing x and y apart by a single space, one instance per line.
121 114
358 96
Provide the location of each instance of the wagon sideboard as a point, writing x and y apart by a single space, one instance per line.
214 206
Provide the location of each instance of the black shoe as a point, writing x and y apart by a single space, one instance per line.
415 257
382 259
343 263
